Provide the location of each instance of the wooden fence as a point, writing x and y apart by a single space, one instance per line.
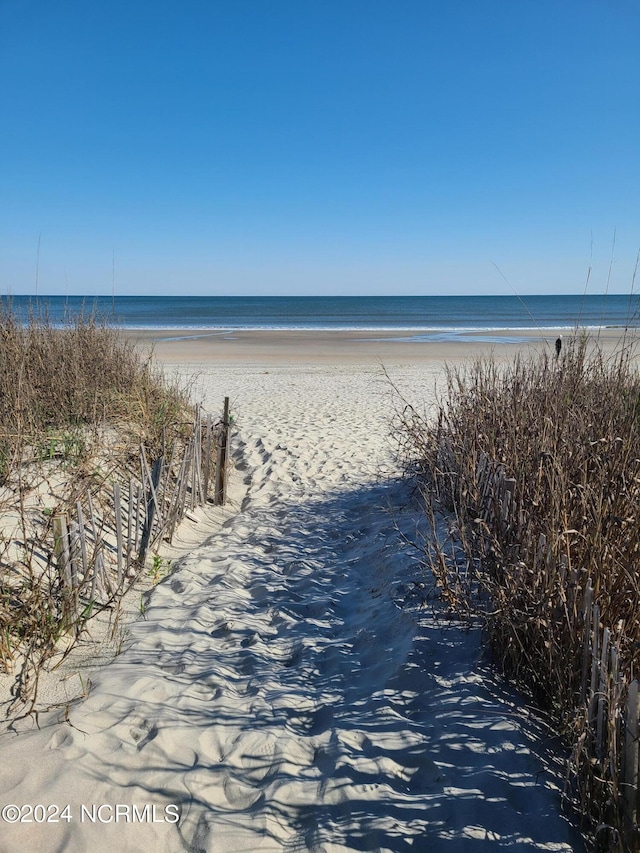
605 759
98 555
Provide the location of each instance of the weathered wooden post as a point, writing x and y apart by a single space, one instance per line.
221 461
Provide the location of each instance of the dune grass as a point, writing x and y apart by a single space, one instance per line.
76 402
567 431
85 374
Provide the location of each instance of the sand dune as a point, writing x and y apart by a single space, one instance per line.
288 688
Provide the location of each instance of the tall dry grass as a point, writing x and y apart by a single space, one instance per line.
567 431
85 374
76 402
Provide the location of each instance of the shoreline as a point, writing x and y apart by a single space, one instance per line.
318 346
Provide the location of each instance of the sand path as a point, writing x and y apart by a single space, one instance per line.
286 689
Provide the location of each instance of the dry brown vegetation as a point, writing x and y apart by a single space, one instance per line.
75 405
564 436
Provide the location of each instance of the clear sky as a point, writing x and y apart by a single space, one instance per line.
318 146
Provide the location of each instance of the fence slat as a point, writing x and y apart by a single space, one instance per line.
148 478
61 548
83 541
138 528
117 510
74 554
631 765
207 456
130 522
602 692
595 650
152 505
586 654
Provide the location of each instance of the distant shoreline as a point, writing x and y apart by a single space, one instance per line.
311 346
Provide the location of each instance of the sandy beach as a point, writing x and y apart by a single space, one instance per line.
313 346
292 686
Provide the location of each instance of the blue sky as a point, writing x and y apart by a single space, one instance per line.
313 146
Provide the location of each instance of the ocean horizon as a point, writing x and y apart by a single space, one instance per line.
356 313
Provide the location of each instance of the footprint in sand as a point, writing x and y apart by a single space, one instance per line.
206 691
222 631
143 734
295 657
325 759
241 796
321 720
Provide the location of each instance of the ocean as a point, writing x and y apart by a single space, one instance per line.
410 313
